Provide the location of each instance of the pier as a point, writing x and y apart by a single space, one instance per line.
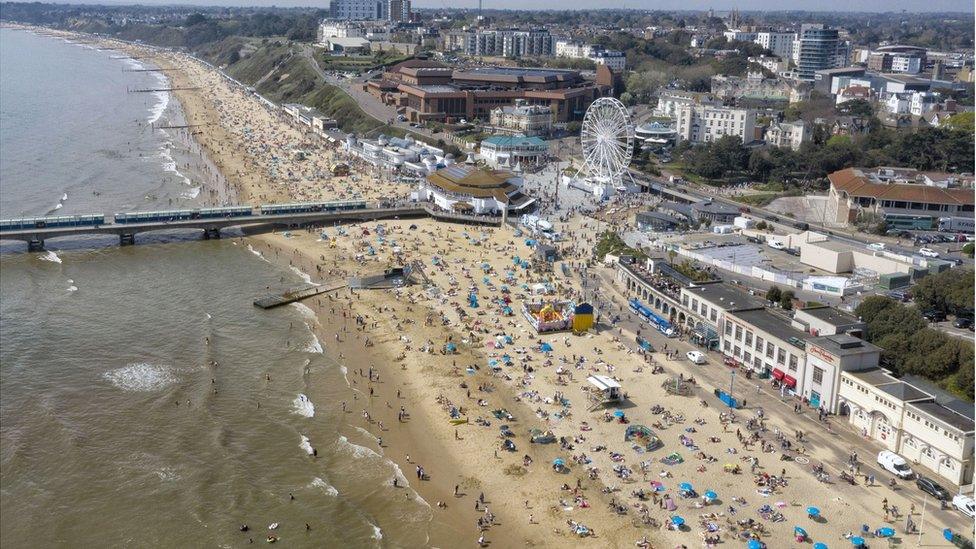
252 222
291 296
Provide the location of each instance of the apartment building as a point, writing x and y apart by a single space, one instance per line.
789 135
358 10
702 124
512 43
932 431
574 49
780 43
818 47
668 101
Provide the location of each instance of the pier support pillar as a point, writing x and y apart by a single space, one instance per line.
211 233
35 245
127 239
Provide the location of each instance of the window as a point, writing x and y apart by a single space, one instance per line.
694 305
728 328
769 350
726 345
747 357
738 351
738 333
713 315
793 363
781 356
759 344
748 338
684 300
817 373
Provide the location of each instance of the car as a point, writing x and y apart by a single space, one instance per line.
696 357
899 295
965 505
963 322
793 251
776 245
932 488
877 246
934 315
928 252
894 464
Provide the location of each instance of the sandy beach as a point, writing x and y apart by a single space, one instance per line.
418 357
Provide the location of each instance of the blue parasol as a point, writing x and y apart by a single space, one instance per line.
886 532
755 544
813 511
820 545
677 521
857 541
558 462
546 348
711 495
799 531
686 486
618 413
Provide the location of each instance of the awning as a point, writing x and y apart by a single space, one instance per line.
603 382
778 374
789 382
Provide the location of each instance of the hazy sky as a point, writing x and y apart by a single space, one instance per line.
718 5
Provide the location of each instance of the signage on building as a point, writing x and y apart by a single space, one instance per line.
822 354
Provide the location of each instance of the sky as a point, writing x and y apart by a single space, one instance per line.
719 5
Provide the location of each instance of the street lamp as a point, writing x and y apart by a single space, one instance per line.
731 384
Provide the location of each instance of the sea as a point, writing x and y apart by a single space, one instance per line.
111 432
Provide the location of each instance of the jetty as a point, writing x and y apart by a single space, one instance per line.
298 294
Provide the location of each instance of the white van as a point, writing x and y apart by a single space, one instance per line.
777 245
894 464
697 357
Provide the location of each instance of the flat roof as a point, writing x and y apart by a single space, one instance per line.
903 391
437 88
830 315
844 344
726 296
873 376
945 415
769 323
514 141
834 245
714 207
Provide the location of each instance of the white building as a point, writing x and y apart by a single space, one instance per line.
828 357
767 343
906 63
358 10
615 60
510 152
522 118
469 189
701 124
897 103
924 102
787 134
736 35
572 49
928 430
338 29
774 65
668 101
780 43
502 42
404 155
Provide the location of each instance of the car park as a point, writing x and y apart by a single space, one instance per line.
932 488
894 464
928 252
965 505
696 357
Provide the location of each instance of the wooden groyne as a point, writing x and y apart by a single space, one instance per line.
291 296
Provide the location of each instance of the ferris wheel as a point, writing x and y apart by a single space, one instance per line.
607 139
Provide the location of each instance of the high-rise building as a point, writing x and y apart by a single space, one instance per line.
358 10
818 48
398 11
780 43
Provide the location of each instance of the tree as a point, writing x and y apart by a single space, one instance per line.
872 306
969 249
761 226
786 299
949 291
860 108
774 294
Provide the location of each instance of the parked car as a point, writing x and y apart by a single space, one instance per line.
894 464
932 488
928 252
963 322
696 357
965 505
899 295
934 315
776 245
877 246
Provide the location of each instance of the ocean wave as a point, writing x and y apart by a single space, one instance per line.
361 451
167 474
314 346
303 275
257 253
306 312
142 377
49 256
157 110
72 288
304 406
325 486
307 446
367 434
191 194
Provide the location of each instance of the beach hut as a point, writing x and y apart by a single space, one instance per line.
582 317
608 391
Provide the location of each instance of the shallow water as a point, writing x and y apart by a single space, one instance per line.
111 432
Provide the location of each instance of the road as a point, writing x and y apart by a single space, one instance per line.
830 442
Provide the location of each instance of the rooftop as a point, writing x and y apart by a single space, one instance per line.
945 415
855 182
771 324
873 376
844 345
514 141
713 207
725 296
830 315
903 391
473 181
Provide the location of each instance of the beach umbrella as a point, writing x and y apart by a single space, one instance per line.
618 413
451 347
546 348
819 545
813 511
686 486
857 541
886 532
799 531
947 534
755 544
711 495
677 521
558 462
